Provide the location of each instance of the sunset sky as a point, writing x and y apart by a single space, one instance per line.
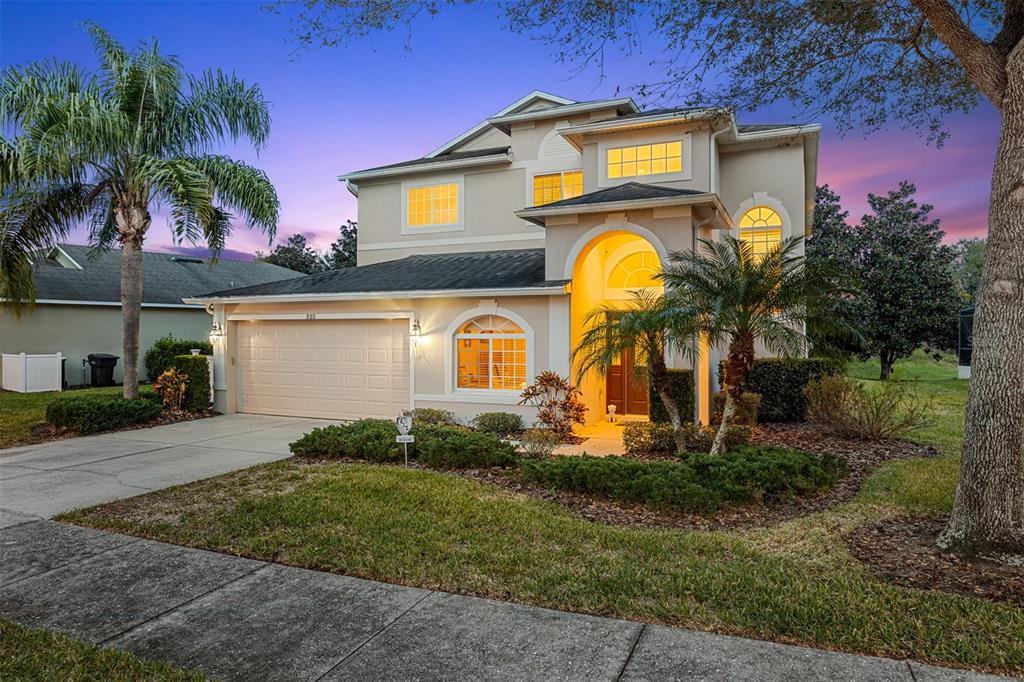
396 96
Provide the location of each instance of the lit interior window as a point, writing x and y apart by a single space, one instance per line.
491 354
638 270
761 228
433 205
555 186
645 159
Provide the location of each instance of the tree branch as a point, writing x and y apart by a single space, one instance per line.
984 64
1013 28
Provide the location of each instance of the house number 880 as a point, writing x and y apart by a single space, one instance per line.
310 316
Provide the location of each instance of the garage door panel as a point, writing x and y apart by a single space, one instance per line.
336 369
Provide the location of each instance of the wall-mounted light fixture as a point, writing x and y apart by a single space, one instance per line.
217 331
415 332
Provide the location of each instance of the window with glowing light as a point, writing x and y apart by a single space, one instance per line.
761 228
645 159
638 270
490 354
433 205
556 186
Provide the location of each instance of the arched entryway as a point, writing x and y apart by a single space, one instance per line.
604 268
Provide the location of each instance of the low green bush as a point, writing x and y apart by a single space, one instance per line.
441 447
430 416
95 413
781 381
197 391
681 389
697 483
499 423
538 443
746 410
160 356
650 438
369 439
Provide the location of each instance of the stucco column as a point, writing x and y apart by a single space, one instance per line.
219 342
559 327
702 382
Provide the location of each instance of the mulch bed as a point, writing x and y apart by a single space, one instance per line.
902 550
45 432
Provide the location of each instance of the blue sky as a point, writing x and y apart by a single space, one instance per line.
398 95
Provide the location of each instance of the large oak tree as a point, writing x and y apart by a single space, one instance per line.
864 64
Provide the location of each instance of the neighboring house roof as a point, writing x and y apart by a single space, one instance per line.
69 273
476 270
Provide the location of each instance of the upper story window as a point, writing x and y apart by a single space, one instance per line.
556 186
490 354
761 227
433 205
645 159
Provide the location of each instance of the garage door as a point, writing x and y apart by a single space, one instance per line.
335 369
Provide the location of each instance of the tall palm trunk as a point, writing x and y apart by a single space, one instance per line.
132 223
662 387
737 369
988 514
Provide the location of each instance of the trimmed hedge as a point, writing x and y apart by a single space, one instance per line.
369 439
681 388
454 448
431 416
499 423
781 383
160 356
197 393
697 483
640 438
95 413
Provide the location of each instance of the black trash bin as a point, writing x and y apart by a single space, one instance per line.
102 364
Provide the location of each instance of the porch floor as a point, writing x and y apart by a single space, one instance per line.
600 438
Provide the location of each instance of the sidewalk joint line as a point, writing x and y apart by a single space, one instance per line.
373 636
74 561
629 657
184 603
910 670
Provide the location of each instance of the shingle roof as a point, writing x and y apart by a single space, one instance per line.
515 269
166 278
761 127
629 191
450 156
660 112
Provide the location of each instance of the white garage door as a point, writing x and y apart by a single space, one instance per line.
335 369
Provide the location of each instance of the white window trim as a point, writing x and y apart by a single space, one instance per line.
457 226
561 175
485 308
686 174
762 199
611 261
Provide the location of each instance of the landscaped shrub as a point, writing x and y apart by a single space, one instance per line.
681 388
845 407
455 448
781 381
746 409
559 404
160 356
171 387
499 423
432 416
197 392
538 443
369 439
697 483
647 437
95 413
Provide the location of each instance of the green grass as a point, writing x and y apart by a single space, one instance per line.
19 412
27 654
792 582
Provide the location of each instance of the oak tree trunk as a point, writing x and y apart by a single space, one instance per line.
737 370
988 513
132 223
886 361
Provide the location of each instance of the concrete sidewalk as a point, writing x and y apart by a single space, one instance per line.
239 619
47 479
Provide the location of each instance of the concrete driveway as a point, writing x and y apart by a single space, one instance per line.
47 479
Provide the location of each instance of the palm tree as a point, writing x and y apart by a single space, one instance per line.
736 297
649 325
103 147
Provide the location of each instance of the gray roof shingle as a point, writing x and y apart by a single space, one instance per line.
762 127
450 156
629 191
166 278
514 269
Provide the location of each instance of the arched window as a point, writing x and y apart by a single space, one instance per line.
761 227
637 270
490 353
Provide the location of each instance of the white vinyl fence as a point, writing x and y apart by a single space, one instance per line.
28 373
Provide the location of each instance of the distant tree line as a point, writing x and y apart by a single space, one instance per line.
296 254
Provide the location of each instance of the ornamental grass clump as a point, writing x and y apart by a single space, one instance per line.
845 407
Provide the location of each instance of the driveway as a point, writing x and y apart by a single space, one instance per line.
50 478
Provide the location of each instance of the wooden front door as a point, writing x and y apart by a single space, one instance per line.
625 392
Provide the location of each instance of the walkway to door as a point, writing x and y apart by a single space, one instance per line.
600 439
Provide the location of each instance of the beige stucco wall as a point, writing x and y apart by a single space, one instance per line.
775 171
433 366
77 330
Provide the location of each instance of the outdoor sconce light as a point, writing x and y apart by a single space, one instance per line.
415 332
217 331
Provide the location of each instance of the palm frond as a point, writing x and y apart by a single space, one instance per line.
222 107
246 190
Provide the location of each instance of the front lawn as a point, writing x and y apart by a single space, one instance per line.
791 582
27 654
19 412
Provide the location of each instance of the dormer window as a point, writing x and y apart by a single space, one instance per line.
556 186
433 205
645 159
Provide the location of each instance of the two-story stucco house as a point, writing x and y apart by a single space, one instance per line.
478 262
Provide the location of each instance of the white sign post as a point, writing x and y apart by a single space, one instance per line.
404 424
